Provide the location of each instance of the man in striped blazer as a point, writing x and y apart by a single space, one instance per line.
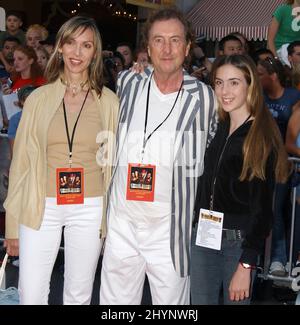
166 120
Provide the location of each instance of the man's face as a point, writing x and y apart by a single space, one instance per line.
295 57
13 23
167 46
264 77
126 53
8 50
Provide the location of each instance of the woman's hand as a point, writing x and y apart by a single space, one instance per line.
6 89
12 246
239 288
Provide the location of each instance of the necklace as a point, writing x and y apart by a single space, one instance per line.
75 89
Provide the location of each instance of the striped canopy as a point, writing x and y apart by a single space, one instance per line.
216 18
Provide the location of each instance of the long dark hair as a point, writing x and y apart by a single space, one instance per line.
264 137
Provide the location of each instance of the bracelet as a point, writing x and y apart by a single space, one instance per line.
247 266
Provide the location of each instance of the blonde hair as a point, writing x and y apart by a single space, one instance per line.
55 65
264 138
39 28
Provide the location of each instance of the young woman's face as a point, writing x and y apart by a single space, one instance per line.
42 59
231 89
22 62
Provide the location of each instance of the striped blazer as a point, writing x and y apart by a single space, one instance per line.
195 127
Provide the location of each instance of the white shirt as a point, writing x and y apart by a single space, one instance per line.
158 152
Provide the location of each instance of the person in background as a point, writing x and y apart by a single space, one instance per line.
9 46
281 101
262 54
14 121
66 128
126 50
244 41
230 45
198 65
241 165
293 50
113 64
295 77
35 33
14 22
42 57
27 70
49 44
292 144
141 57
6 69
167 119
284 29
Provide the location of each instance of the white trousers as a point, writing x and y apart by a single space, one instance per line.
133 249
82 246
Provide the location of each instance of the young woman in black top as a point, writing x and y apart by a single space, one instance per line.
242 163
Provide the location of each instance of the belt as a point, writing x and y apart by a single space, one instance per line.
233 234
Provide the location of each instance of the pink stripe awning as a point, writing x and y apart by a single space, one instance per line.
216 18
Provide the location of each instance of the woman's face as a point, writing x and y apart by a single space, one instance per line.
33 38
22 62
42 59
231 89
78 52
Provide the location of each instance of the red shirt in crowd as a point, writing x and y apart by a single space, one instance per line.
19 83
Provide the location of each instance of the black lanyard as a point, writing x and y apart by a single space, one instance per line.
70 141
146 116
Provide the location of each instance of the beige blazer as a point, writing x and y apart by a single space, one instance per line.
25 202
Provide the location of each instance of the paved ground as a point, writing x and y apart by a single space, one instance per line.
265 292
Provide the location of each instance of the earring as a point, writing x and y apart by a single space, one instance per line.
60 56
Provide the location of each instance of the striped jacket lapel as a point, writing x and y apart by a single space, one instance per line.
129 89
189 107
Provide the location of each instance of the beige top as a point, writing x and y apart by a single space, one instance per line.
25 201
84 148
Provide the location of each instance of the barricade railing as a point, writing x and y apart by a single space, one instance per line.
292 278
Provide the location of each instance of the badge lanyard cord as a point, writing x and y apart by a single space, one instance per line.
70 140
146 117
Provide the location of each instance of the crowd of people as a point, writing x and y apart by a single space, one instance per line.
174 164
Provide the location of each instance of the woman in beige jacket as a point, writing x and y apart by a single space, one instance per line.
64 126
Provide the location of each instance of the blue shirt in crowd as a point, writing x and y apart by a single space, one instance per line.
281 108
13 125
